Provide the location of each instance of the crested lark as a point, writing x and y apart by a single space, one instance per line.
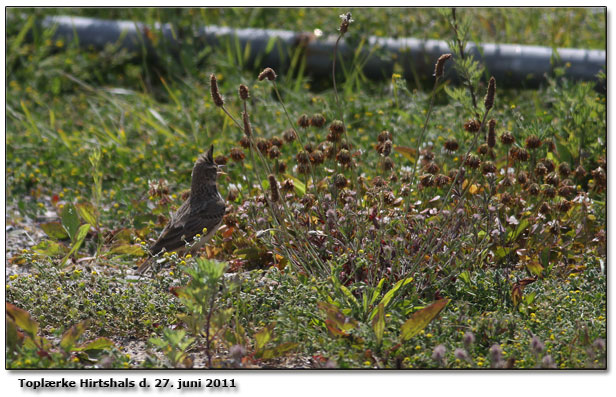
203 209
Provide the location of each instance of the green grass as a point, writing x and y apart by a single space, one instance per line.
117 138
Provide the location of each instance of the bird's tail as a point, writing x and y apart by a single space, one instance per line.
145 266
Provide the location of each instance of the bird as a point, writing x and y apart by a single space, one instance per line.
204 208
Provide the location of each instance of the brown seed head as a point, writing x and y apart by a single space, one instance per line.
426 180
221 160
491 133
533 142
549 191
564 170
383 136
303 121
545 208
506 198
308 200
317 157
552 179
287 186
540 169
244 93
533 189
432 168
344 157
302 157
263 145
267 73
488 167
218 101
549 165
472 125
384 148
289 135
489 100
274 195
451 145
522 177
564 206
247 126
387 164
472 161
345 22
507 138
273 152
317 120
276 141
439 67
442 180
340 181
567 191
245 142
237 154
483 148
580 172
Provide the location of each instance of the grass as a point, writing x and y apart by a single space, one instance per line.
353 242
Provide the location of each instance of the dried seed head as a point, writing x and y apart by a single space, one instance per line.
564 170
287 186
488 168
552 179
439 67
274 152
533 189
245 142
282 167
472 161
580 172
540 170
289 135
303 169
522 177
220 160
564 206
384 148
387 164
337 129
274 195
309 147
483 149
507 138
491 133
263 145
303 121
442 180
549 191
317 157
308 200
302 157
346 20
451 145
533 142
456 175
506 198
549 165
426 180
237 154
244 93
344 157
340 181
599 175
384 136
432 168
267 73
549 143
276 141
218 101
427 156
472 125
247 126
495 353
567 191
317 120
232 194
489 100
518 154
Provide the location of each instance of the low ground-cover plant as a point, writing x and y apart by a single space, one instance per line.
462 228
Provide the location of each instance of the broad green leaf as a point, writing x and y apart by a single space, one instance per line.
407 152
22 319
513 235
262 337
390 294
54 230
97 344
377 291
465 276
502 252
70 337
564 153
70 220
534 267
128 249
81 235
87 212
378 323
421 318
50 248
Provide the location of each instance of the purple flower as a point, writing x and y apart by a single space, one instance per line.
438 353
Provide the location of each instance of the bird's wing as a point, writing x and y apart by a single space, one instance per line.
207 216
171 236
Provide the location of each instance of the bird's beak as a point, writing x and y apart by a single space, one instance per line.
220 171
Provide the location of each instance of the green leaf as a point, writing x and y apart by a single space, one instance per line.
534 267
81 235
70 220
88 213
420 319
97 344
22 319
465 276
263 336
390 294
54 230
513 235
50 248
128 249
378 323
564 153
70 337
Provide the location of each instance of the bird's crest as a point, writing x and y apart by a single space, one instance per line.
208 157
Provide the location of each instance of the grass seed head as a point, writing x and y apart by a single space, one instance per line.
218 101
439 67
247 126
489 100
533 142
267 73
472 125
243 92
303 121
317 120
507 138
289 135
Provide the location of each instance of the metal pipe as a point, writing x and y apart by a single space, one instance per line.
513 65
